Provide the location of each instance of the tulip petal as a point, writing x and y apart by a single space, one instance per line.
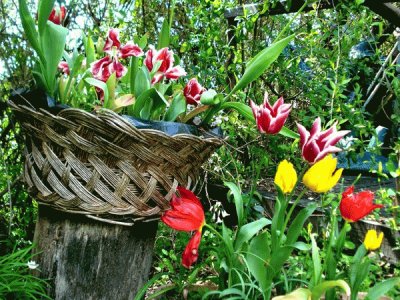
130 49
191 252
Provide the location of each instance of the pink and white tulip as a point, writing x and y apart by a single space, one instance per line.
270 119
167 68
316 144
113 46
193 91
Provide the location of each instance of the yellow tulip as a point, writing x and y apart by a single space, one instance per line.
372 241
321 177
285 176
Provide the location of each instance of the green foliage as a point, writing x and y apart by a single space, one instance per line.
16 281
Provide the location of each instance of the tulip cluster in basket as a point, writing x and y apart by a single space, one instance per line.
133 77
262 247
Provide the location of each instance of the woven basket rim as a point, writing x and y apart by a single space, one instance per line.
104 112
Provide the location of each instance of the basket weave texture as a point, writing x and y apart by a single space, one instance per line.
100 165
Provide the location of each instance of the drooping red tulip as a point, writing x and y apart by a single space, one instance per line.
191 253
167 68
316 144
355 206
57 15
103 68
186 214
270 119
193 91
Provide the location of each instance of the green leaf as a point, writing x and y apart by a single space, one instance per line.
317 270
302 246
382 288
142 82
89 49
133 70
111 85
299 294
257 257
141 103
163 40
100 84
320 289
237 196
289 133
246 232
121 102
145 112
52 44
298 223
261 62
209 97
44 10
177 107
142 292
29 27
241 108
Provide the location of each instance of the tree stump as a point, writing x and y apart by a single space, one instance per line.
87 259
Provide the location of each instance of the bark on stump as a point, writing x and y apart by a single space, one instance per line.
87 259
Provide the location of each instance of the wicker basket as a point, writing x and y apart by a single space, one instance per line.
100 165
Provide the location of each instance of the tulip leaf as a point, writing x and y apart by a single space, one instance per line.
237 196
145 112
289 133
257 257
299 294
99 84
142 82
163 40
52 44
246 232
89 49
261 62
241 108
320 289
111 85
297 225
209 97
317 270
177 107
382 288
29 27
141 103
44 10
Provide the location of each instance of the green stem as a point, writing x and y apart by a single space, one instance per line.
292 208
291 21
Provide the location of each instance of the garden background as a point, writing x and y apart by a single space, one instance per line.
329 70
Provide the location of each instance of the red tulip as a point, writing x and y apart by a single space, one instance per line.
191 253
354 207
166 69
103 68
316 144
57 15
63 67
186 214
113 46
193 91
270 119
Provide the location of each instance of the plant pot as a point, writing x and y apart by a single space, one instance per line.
103 166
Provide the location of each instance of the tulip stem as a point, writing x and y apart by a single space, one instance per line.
293 207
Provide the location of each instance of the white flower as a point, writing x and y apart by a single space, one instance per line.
32 265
